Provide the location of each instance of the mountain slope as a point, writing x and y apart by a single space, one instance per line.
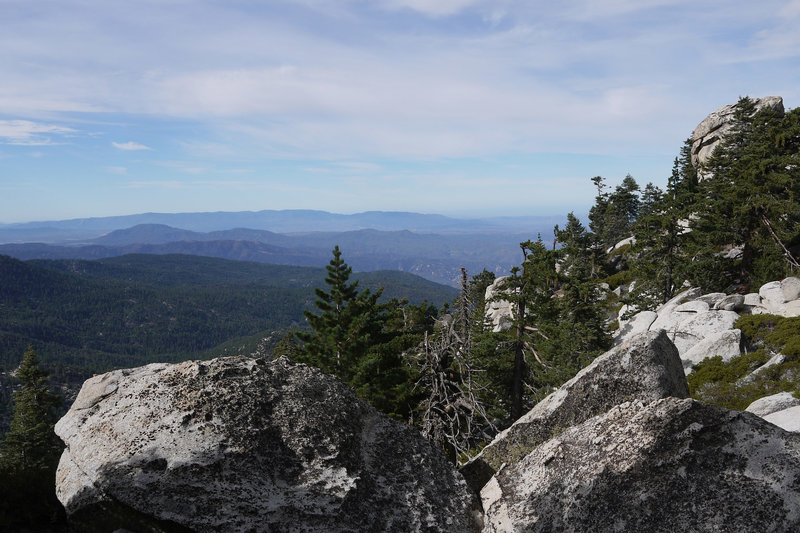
92 315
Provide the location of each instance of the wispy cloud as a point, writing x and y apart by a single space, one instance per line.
434 8
313 91
130 146
29 133
161 184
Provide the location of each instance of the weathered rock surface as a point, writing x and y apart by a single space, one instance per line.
670 465
727 344
732 302
238 444
686 329
646 367
710 132
499 312
639 323
788 419
773 403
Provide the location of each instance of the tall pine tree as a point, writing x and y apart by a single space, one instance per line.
30 452
345 324
752 198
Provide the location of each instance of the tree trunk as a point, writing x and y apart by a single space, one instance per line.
519 364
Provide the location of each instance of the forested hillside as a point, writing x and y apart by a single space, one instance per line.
85 317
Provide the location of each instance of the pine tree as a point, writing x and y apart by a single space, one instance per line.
751 199
613 215
30 443
597 214
30 452
382 376
346 322
579 253
530 288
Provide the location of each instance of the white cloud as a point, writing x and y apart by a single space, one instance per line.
130 146
30 133
791 9
433 8
352 81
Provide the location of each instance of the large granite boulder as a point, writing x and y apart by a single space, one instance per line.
239 444
646 367
670 465
710 132
727 344
773 403
788 419
780 297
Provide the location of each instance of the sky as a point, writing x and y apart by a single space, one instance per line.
460 107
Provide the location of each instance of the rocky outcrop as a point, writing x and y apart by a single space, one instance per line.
702 325
782 409
670 465
710 132
646 367
239 444
499 312
773 403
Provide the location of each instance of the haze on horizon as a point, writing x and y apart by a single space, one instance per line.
459 107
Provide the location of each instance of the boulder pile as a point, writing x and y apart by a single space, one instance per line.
239 444
702 325
649 460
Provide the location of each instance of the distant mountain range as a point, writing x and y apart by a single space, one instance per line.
278 221
434 247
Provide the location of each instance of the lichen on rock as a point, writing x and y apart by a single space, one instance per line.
240 444
665 466
646 367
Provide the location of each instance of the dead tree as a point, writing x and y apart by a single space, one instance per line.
452 414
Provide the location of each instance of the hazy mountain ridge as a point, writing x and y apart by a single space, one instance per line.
279 221
432 256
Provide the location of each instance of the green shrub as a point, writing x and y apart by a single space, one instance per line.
715 370
620 278
720 383
776 333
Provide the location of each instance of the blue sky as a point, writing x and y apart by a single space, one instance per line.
463 107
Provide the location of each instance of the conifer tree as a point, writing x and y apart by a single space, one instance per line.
30 452
613 215
382 376
751 198
345 324
30 443
660 258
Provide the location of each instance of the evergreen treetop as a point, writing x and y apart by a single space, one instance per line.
345 323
